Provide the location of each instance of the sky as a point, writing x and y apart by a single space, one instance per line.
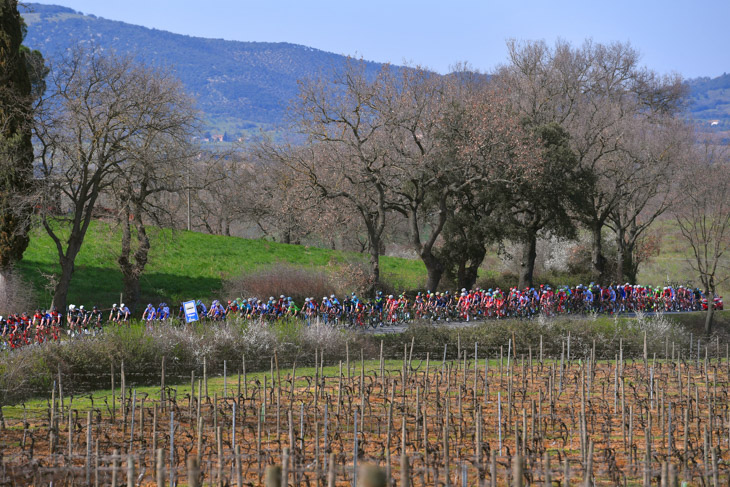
689 37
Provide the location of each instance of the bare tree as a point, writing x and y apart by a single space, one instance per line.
99 109
594 92
703 216
655 150
343 160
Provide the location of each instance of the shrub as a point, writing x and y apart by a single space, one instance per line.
296 282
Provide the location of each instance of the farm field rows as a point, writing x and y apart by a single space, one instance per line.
458 422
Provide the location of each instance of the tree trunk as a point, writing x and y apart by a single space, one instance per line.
466 275
527 264
60 293
709 316
374 264
131 264
620 243
435 271
598 261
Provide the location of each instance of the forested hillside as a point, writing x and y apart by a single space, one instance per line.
241 86
710 101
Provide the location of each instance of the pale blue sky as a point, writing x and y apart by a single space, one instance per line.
691 37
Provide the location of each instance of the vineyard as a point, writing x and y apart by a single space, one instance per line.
461 417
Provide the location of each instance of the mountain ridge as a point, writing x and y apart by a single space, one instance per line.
244 86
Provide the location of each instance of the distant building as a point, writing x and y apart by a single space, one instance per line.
217 138
714 123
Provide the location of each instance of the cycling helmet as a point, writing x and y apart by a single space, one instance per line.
281 297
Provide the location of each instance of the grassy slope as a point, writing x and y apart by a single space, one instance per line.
672 262
183 265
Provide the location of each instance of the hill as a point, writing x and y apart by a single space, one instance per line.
240 86
244 86
709 101
185 265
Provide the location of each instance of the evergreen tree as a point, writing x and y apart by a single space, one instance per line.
16 150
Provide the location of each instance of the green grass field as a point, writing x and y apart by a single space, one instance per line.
184 265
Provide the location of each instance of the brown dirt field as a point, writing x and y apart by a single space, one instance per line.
452 415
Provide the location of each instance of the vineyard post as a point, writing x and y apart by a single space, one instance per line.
499 419
205 377
410 354
493 469
382 364
239 473
96 463
88 447
162 384
258 441
316 380
245 378
478 443
115 466
225 379
547 473
355 450
131 477
325 431
331 476
669 429
443 360
517 472
131 428
589 467
284 469
154 428
615 385
672 473
51 420
405 474
219 449
566 472
715 471
278 395
193 472
192 392
60 390
233 424
70 437
197 406
172 448
114 397
124 397
160 469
